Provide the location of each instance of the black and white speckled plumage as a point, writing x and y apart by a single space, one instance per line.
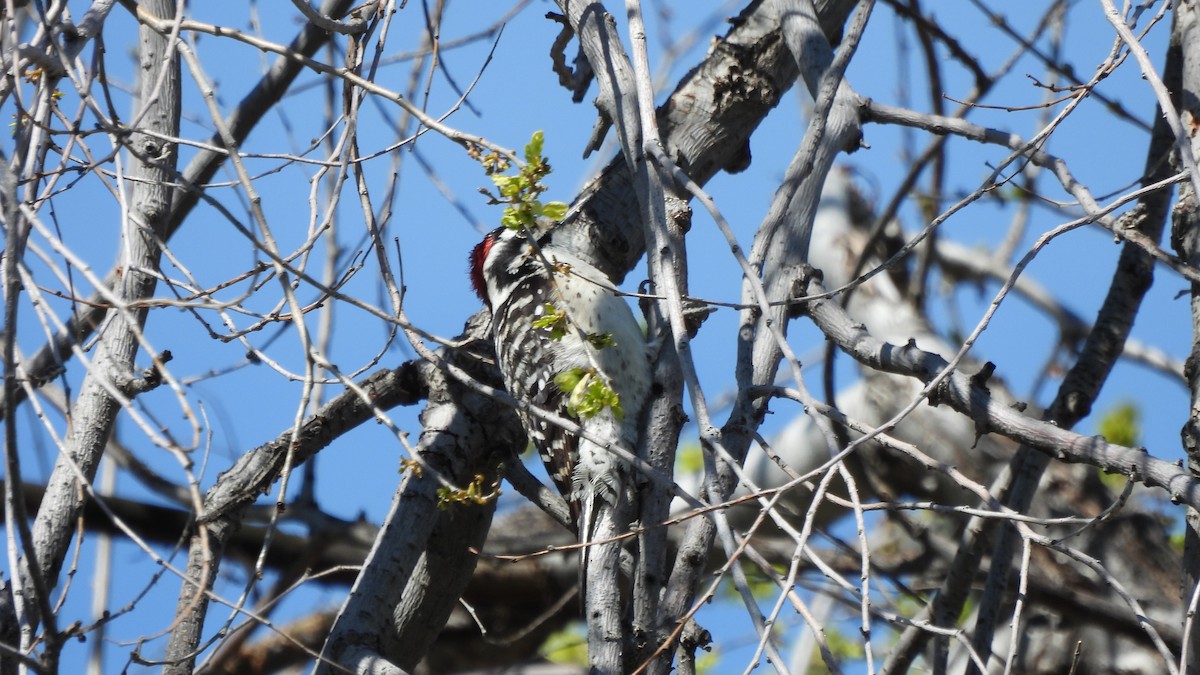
515 282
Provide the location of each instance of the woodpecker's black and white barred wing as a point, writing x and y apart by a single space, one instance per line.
522 361
513 281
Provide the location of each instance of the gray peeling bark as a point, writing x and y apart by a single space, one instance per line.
1185 236
253 474
422 559
112 373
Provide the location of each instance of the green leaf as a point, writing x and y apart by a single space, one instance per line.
844 646
476 492
601 340
580 404
508 186
608 397
1122 425
566 647
590 396
554 320
511 219
555 210
533 151
708 661
689 458
568 380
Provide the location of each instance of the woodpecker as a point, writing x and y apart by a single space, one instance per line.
566 341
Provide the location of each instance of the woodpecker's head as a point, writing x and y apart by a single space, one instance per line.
477 260
501 261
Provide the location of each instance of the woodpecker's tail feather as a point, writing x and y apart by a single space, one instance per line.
586 521
600 581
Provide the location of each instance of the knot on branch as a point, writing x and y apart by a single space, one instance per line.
148 379
797 300
980 379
